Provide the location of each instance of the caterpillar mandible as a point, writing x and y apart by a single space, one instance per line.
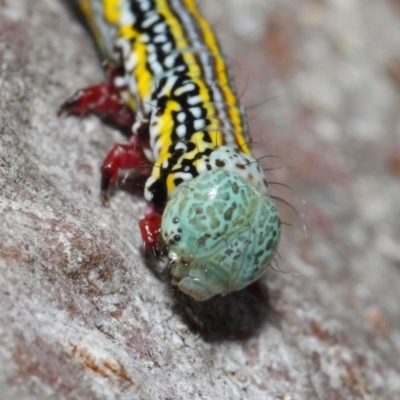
169 83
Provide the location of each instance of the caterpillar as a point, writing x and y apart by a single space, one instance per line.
169 84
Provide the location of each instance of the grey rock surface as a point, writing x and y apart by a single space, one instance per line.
84 316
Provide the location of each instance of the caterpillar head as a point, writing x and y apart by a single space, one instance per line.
221 233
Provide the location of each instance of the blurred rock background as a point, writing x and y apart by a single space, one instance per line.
82 316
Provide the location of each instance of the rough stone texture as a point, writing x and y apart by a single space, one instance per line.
81 314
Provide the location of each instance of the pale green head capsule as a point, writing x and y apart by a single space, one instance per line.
221 233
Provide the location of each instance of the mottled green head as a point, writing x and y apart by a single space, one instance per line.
221 233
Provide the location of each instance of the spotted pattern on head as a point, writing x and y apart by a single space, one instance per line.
221 231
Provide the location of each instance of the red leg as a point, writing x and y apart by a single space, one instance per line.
122 156
150 227
103 100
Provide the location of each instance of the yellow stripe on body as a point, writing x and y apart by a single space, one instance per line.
190 61
144 79
221 74
112 11
143 76
166 123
